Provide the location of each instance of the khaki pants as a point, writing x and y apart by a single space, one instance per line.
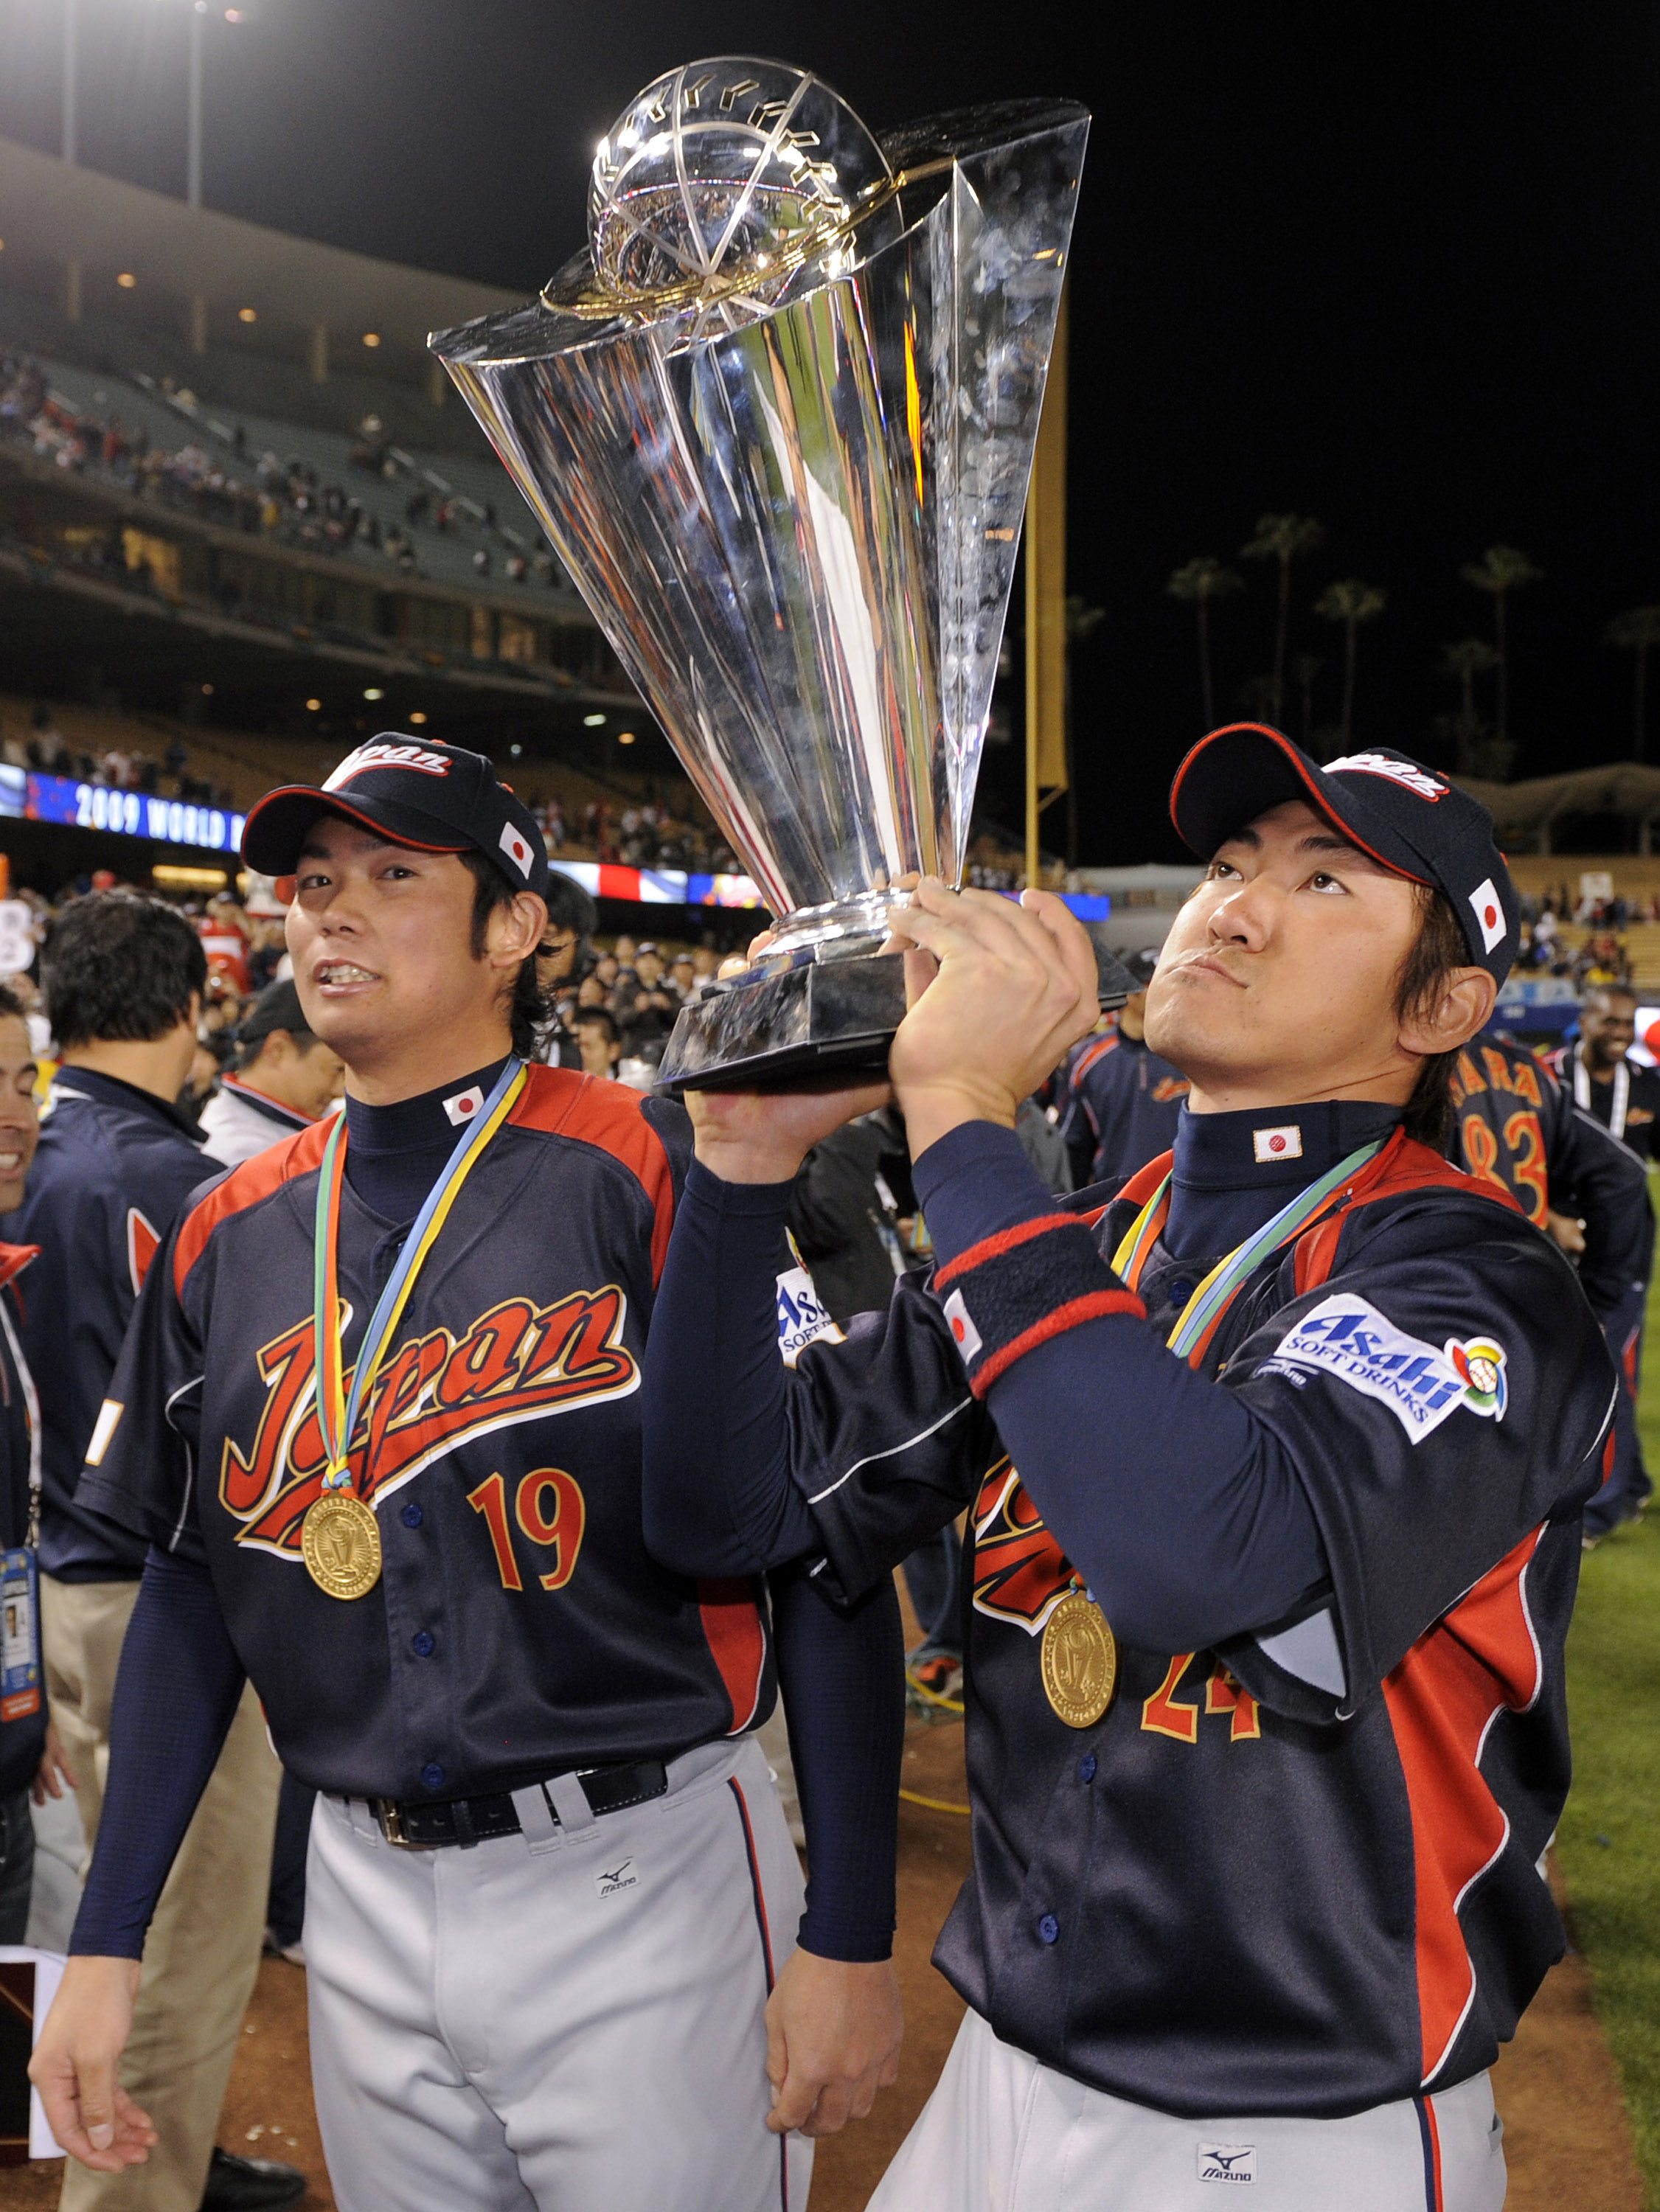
203 1951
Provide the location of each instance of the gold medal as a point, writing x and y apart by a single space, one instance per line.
1079 1657
340 1538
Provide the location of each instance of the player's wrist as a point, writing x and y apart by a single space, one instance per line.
933 1110
748 1159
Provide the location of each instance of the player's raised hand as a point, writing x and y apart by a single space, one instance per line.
75 2061
1015 986
833 2035
763 1136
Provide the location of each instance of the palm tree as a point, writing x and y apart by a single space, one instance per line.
1351 603
1281 537
1500 571
1305 668
1637 629
1202 580
1470 658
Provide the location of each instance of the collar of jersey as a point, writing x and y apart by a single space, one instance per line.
408 1124
97 1089
1202 1316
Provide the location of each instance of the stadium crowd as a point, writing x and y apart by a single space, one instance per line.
261 493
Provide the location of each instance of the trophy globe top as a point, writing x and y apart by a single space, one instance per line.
735 184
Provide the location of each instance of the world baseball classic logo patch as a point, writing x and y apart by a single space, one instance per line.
1227 2162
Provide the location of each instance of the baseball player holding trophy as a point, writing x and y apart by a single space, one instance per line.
379 1417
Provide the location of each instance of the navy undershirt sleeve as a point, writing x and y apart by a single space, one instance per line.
843 1677
176 1695
719 1498
1182 1512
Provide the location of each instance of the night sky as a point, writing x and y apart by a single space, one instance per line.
1395 267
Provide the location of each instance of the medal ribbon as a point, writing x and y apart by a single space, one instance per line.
336 1414
1202 1314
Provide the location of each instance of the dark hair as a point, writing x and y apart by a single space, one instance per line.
598 1017
1434 958
569 906
12 1008
530 1008
303 1042
118 967
1613 991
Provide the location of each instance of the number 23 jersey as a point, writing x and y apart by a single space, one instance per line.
518 1626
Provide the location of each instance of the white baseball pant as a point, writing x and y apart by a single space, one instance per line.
577 2028
1004 2133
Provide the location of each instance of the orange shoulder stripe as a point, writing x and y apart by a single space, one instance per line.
609 1115
245 1187
1403 1165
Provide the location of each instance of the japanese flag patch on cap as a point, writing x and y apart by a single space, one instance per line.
1488 910
516 846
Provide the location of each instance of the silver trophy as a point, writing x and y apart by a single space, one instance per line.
778 420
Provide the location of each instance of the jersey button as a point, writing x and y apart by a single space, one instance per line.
412 1515
432 1776
1086 1767
1180 1293
1049 1929
422 1642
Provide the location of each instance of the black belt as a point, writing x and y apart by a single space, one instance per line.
470 1820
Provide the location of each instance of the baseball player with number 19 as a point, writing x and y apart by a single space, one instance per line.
378 1420
1275 1469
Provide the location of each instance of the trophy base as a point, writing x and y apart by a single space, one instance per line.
772 1032
792 1028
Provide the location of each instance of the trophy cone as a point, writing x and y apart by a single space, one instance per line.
789 481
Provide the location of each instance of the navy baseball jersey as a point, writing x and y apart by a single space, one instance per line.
22 1717
519 1625
1626 1103
1122 1102
113 1167
1517 1129
1294 1873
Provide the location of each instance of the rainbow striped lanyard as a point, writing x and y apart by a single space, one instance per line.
1201 1316
336 1414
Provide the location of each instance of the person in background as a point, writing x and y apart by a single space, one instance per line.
30 1756
1123 1099
564 960
599 1041
1598 1069
124 979
648 967
283 1079
683 976
1623 1096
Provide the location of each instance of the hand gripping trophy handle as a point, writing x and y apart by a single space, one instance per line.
778 421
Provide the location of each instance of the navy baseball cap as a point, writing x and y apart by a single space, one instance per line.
1409 819
414 791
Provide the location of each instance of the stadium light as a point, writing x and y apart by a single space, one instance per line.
247 315
625 737
417 718
313 706
199 11
371 337
126 280
374 692
594 721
